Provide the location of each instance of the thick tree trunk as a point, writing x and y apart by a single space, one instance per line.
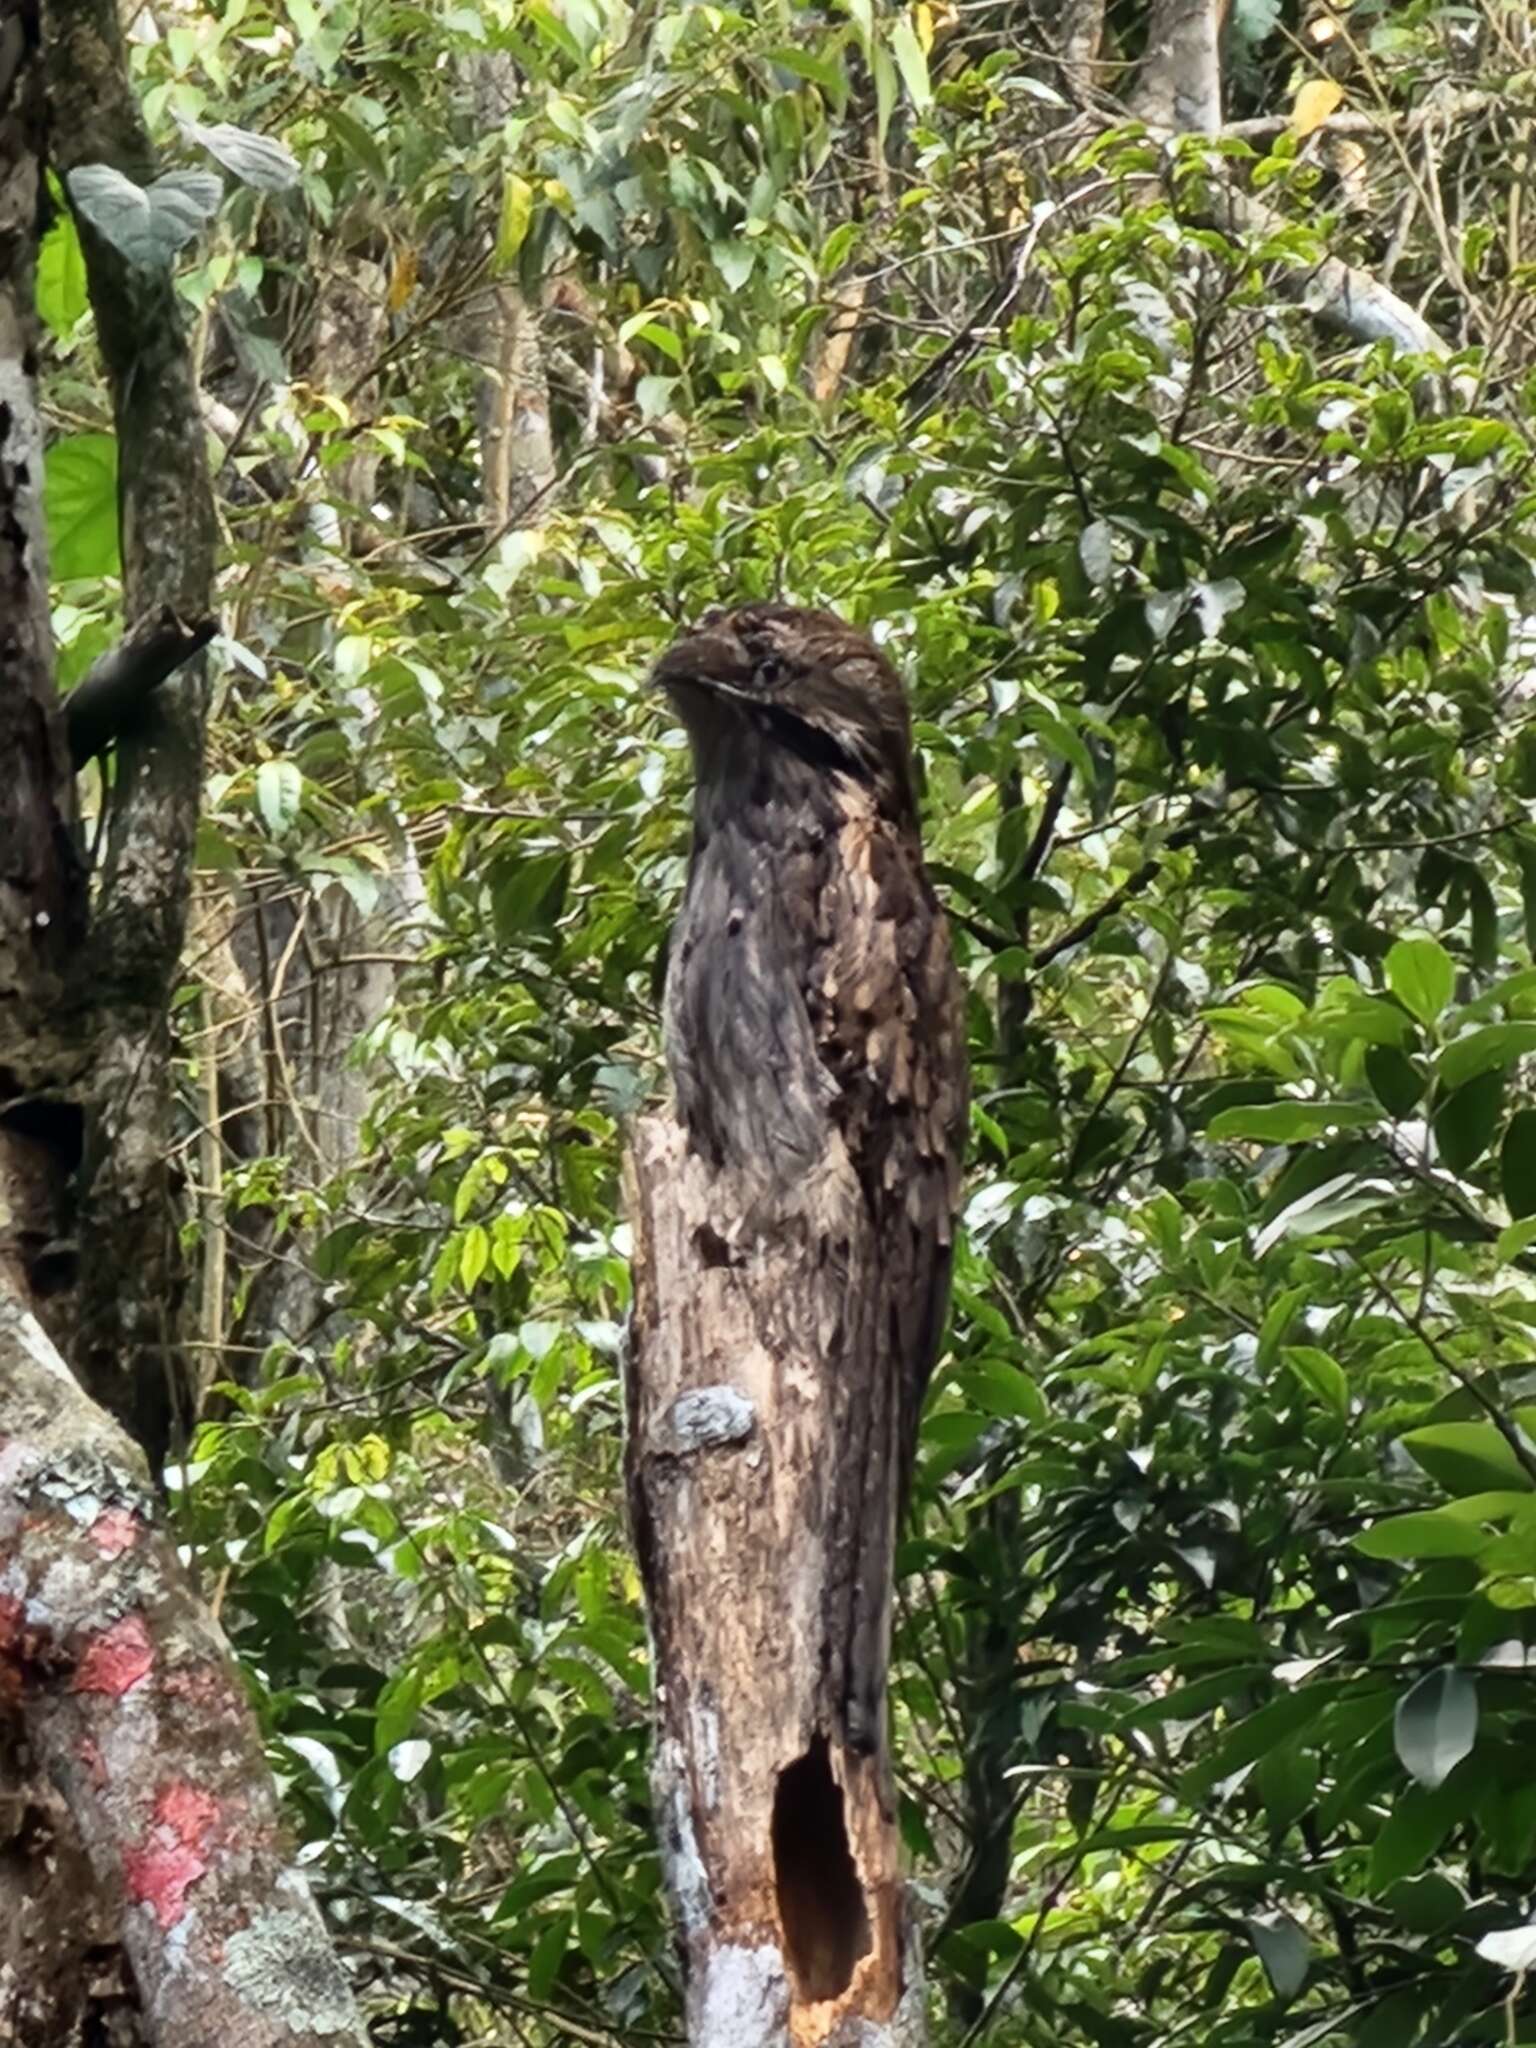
779 1839
145 1895
133 1709
129 1291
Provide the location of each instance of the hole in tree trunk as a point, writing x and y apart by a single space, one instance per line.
821 1905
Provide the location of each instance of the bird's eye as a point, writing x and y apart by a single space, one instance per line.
772 673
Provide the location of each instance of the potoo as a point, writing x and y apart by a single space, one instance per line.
814 1022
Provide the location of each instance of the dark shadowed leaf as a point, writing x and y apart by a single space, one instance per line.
1397 1082
1465 1124
1517 1164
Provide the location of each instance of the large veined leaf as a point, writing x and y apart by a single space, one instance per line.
80 500
147 224
260 161
1422 975
1468 1457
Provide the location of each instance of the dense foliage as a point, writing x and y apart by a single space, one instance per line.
1213 1685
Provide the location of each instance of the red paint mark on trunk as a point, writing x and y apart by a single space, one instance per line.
117 1659
115 1530
175 1854
188 1811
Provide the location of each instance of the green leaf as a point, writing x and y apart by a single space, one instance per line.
1464 1125
1397 1082
80 501
474 1256
147 224
885 90
1287 1123
818 71
1467 1457
1323 1209
522 889
1253 22
1495 1045
395 1715
735 262
1278 1318
1517 1164
1255 1736
1513 1241
1414 1830
61 292
1436 1725
1422 975
998 1388
911 63
1435 1533
838 247
1321 1374
654 396
279 793
549 1953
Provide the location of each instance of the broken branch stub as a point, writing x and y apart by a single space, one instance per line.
758 1473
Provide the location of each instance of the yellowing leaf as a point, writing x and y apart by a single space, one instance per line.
403 279
1314 103
922 21
516 212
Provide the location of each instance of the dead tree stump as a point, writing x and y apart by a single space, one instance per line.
754 1466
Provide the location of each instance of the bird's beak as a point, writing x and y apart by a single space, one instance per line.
709 658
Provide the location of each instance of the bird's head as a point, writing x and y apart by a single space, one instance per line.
804 680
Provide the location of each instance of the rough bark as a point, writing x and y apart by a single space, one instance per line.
51 1914
131 1286
1179 83
1081 40
133 1708
779 1840
144 1894
42 897
316 977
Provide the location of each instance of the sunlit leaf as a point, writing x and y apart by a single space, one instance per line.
1436 1725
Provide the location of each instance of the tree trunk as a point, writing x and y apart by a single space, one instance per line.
502 335
129 1291
779 1839
145 1890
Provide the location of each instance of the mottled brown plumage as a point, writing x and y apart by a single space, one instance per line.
813 1011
